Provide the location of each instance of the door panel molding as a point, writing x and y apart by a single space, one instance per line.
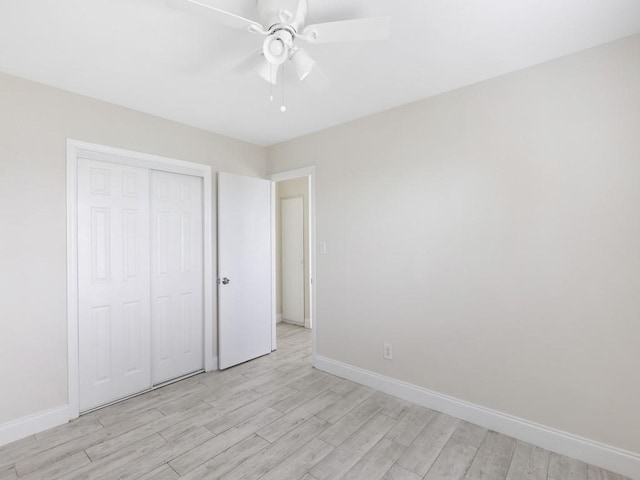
78 149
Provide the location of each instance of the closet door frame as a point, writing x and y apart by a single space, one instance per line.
78 149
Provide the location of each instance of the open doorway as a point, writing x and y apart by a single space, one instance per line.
293 215
293 274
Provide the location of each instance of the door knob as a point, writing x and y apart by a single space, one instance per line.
225 281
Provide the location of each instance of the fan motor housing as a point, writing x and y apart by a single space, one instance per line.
278 12
277 46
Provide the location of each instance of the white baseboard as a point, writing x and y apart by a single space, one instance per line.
279 318
589 451
291 322
32 424
41 421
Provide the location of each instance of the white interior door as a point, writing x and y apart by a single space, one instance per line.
292 243
177 328
113 282
244 268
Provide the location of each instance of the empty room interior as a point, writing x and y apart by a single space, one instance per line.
320 240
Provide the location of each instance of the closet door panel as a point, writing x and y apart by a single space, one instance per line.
177 327
113 282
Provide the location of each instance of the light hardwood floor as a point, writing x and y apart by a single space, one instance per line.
277 418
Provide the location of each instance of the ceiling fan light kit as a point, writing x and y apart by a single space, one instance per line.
283 22
276 47
268 72
302 62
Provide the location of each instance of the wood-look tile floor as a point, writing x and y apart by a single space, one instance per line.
277 418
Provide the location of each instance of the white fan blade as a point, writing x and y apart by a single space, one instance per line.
249 64
363 29
225 18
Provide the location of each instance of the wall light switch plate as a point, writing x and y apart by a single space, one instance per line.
322 248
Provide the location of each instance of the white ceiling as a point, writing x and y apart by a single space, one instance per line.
179 65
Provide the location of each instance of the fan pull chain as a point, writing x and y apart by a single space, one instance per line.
271 82
283 108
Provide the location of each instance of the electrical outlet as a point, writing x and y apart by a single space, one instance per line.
388 351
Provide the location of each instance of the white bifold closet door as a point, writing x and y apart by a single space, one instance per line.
176 276
140 279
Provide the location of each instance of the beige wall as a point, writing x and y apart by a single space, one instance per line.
35 122
492 235
293 188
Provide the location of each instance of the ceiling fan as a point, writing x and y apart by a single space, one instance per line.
283 23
